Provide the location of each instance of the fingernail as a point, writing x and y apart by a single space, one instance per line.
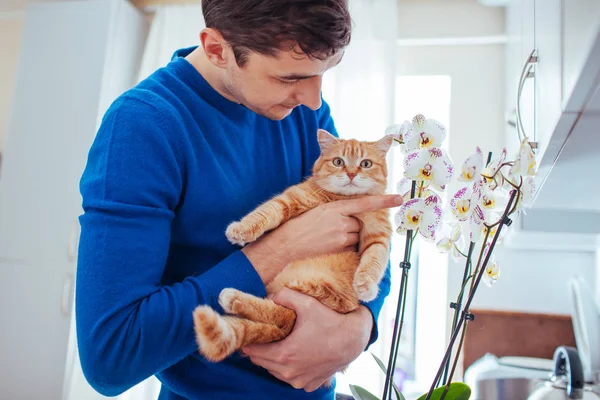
398 200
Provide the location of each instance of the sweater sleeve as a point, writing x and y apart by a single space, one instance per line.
129 325
325 121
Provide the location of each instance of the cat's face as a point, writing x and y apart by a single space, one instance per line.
351 167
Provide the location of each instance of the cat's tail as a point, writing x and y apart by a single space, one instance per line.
220 336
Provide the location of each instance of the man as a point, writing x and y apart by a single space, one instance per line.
195 146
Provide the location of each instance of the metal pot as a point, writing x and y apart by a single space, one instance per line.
567 380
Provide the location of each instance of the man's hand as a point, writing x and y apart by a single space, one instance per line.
329 228
322 342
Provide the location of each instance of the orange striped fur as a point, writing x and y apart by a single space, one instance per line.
339 280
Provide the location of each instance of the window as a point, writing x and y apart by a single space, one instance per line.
421 337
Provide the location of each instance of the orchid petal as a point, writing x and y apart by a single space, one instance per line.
476 223
403 186
461 205
456 255
410 214
432 216
412 139
398 131
428 193
455 235
472 166
445 245
491 273
528 190
417 166
525 163
442 168
431 133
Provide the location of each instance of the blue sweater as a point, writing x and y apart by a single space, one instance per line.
172 165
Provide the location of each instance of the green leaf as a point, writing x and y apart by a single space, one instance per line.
399 395
362 393
457 391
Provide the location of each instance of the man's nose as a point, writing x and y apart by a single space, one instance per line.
309 92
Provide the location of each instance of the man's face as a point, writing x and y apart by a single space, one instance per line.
273 86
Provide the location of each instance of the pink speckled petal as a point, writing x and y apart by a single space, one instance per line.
476 223
461 205
410 214
432 217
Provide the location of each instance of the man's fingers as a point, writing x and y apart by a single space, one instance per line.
262 351
291 299
368 204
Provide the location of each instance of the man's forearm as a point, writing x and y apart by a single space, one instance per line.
362 325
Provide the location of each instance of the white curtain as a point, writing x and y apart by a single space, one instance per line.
360 90
361 94
173 27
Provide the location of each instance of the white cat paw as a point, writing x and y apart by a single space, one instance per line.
228 299
365 288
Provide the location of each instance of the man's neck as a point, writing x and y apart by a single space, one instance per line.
211 73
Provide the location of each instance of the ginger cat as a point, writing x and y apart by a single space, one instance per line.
345 169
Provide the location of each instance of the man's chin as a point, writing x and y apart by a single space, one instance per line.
277 113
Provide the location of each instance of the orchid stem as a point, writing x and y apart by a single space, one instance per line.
465 315
399 320
457 306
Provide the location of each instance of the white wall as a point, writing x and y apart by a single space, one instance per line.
535 281
443 18
11 25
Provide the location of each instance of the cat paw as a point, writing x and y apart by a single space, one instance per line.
238 234
229 300
215 338
365 288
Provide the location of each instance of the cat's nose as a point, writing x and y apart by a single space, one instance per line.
351 175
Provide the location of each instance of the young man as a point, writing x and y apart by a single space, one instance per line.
195 146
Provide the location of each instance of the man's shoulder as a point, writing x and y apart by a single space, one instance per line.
150 99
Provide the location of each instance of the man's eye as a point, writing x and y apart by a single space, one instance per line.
289 82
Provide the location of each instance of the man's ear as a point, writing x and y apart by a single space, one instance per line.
215 47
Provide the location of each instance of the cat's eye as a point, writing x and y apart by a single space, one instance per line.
366 163
338 162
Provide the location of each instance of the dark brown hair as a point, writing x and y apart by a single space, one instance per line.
319 27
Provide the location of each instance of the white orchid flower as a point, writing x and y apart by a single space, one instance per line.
491 273
422 214
398 132
424 134
493 200
404 188
464 201
475 224
432 166
528 189
492 179
472 167
524 164
448 241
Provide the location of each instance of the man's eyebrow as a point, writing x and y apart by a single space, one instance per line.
298 77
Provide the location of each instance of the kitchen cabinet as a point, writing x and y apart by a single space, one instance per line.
563 38
580 28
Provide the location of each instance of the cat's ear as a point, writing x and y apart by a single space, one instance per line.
326 139
384 143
